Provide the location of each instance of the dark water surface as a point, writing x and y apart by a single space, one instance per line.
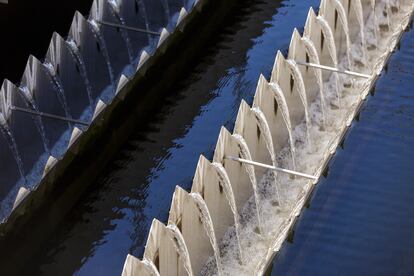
114 217
360 221
26 27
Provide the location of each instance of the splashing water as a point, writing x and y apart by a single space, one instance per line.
181 247
281 101
388 8
245 152
264 128
360 17
327 31
297 75
345 24
375 18
208 226
314 57
228 191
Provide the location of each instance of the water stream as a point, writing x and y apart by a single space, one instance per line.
245 152
208 227
114 7
74 50
181 247
264 128
101 41
360 17
228 190
314 58
327 32
300 87
57 84
281 101
37 119
345 24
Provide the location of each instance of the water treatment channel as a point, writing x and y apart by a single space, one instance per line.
358 221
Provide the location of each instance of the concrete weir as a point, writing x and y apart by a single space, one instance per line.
73 109
237 214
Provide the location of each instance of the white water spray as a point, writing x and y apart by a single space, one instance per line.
228 191
314 58
281 101
300 87
181 247
208 226
245 152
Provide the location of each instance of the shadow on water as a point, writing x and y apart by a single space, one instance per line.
26 28
360 218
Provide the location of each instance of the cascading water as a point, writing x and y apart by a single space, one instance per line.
114 7
142 7
97 33
314 57
388 8
245 152
57 84
228 191
345 24
297 75
360 17
181 247
375 18
12 145
37 119
74 51
327 31
264 128
281 101
208 226
150 267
